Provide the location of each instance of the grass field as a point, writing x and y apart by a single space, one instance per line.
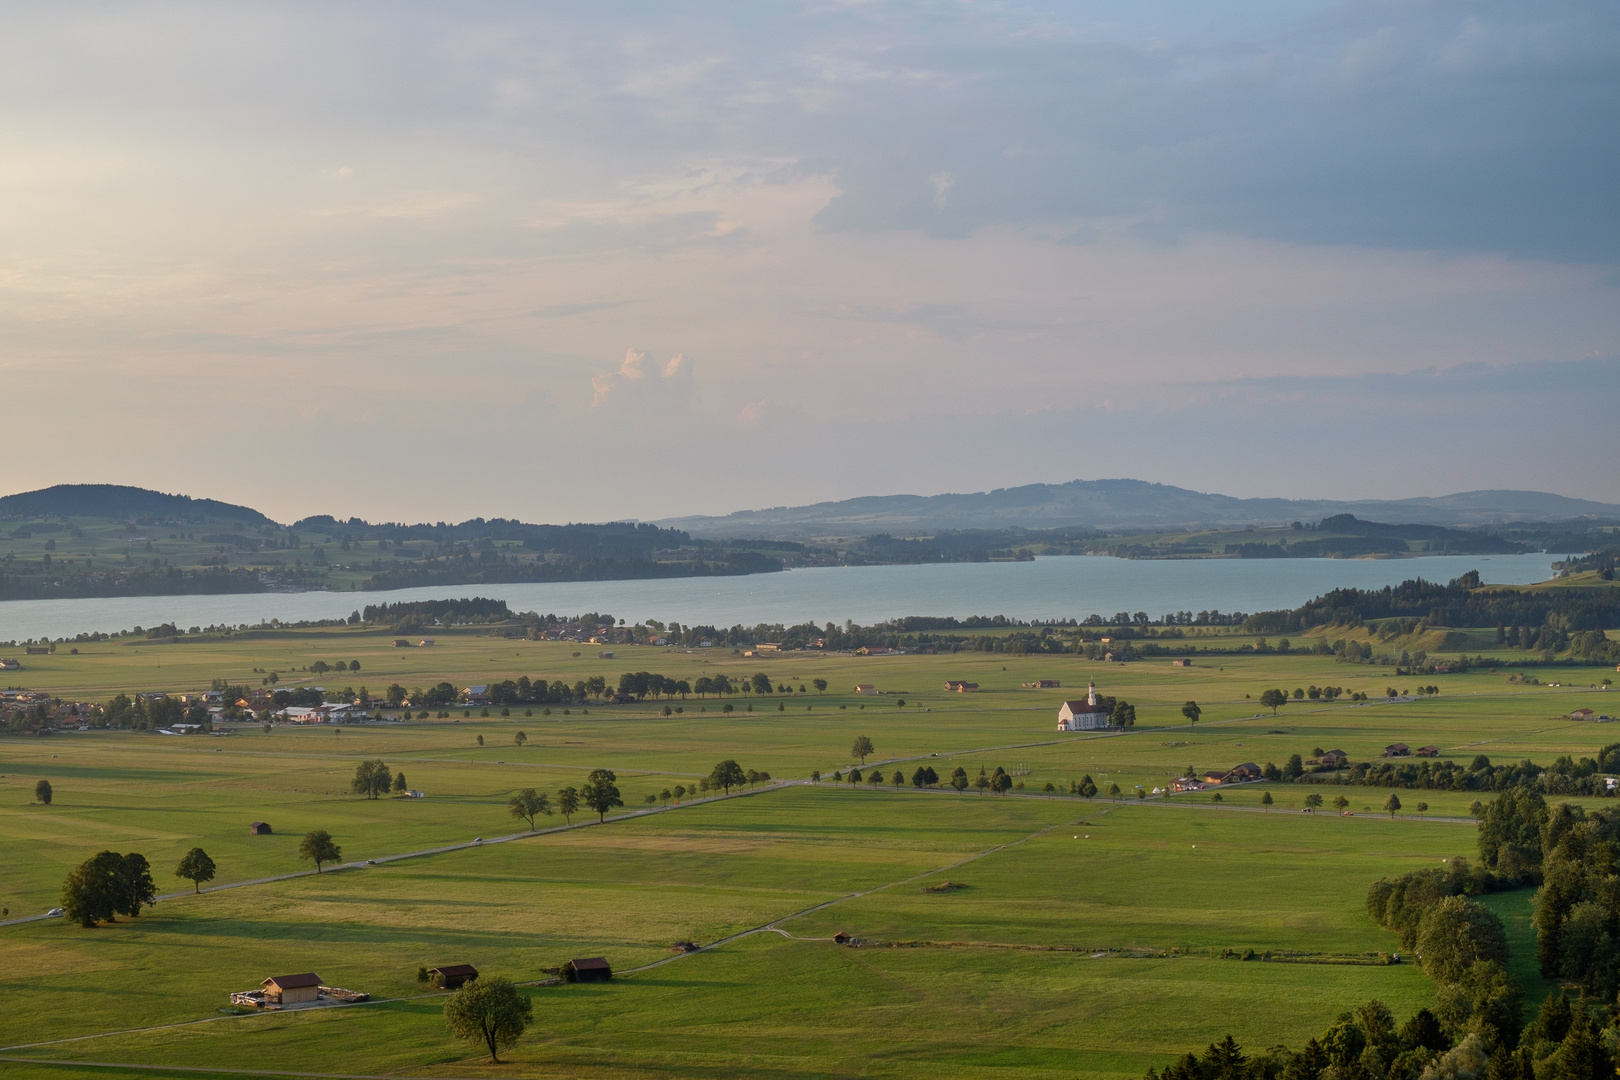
1083 938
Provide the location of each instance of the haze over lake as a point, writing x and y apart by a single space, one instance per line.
1066 587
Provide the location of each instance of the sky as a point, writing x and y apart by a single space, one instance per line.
575 262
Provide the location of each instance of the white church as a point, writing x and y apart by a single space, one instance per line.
1084 715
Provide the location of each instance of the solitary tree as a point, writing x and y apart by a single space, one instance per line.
371 778
107 885
1274 700
1422 808
520 738
601 792
820 685
1313 800
42 792
491 1011
862 748
1192 712
727 775
1341 803
1392 804
318 847
568 803
1266 799
528 804
196 866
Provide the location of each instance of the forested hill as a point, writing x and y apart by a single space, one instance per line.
121 502
1123 505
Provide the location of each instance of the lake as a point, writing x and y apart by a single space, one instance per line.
1059 587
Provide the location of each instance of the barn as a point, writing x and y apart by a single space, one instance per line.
259 828
291 989
452 976
590 969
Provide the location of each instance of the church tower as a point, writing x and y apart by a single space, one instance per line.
1091 694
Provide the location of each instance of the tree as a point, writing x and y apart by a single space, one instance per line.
1001 782
1274 700
862 748
107 885
959 779
400 786
318 847
1341 804
42 792
1294 768
727 775
820 685
371 778
1122 715
489 1010
568 803
1192 712
1392 804
664 796
1423 808
197 867
761 683
529 804
1314 800
520 738
854 777
899 778
1266 799
601 792
1088 787
1456 934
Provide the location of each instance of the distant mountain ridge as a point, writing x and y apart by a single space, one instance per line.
122 501
1124 504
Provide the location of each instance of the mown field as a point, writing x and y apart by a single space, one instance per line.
1084 938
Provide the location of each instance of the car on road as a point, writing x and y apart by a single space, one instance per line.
478 839
54 911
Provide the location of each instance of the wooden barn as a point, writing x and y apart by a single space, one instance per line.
259 828
292 989
591 969
452 976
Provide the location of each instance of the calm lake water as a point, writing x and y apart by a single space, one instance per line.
1049 588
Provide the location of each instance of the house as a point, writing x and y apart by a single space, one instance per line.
1042 684
876 650
1335 759
1085 715
426 643
452 976
1442 669
259 828
768 647
1398 749
1187 783
1237 774
843 937
1582 714
475 695
591 969
291 989
37 650
1427 751
1181 663
865 688
957 686
9 665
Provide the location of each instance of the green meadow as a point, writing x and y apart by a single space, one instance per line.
1031 934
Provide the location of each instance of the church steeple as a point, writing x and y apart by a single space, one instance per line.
1091 694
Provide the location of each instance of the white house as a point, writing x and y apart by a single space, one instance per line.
1084 715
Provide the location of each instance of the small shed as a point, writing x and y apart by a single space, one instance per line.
291 989
865 688
1582 714
843 937
259 828
1398 749
452 976
591 969
1427 751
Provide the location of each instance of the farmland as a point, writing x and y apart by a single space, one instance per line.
1077 937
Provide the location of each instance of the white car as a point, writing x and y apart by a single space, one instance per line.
54 911
478 839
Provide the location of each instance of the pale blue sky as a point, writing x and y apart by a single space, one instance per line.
566 262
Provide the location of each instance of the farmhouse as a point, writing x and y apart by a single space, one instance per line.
290 989
1582 714
865 688
9 665
1245 773
452 976
475 695
957 686
1398 749
1427 751
1181 663
1084 715
259 828
1335 759
591 969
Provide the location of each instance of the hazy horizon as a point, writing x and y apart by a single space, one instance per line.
416 263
